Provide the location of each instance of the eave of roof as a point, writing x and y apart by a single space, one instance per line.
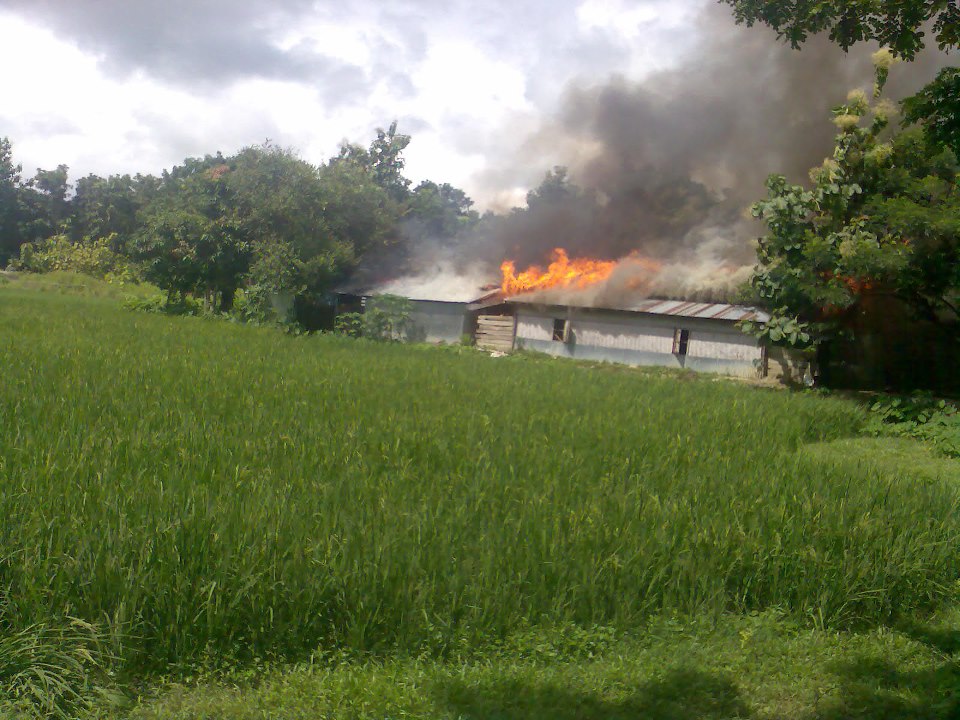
675 308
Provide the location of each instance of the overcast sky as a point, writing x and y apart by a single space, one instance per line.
110 86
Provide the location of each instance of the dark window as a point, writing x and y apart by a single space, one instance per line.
681 338
560 330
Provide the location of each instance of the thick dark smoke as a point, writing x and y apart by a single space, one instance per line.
670 165
674 161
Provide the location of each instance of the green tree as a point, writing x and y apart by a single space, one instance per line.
307 225
882 214
439 211
105 207
386 155
896 24
191 240
359 212
10 210
383 160
555 188
53 186
937 108
263 217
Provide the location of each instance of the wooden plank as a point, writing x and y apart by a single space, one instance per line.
495 332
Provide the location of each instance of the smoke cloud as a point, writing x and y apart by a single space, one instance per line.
669 166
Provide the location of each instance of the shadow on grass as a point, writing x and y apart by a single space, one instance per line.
680 695
875 687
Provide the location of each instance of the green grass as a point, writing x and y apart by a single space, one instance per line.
892 457
62 282
762 667
203 491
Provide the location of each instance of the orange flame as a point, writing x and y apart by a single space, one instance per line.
562 272
858 286
855 285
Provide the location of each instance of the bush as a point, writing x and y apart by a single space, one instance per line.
172 304
919 416
350 324
384 317
93 257
252 305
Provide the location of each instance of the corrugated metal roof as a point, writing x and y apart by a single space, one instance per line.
676 308
467 293
710 311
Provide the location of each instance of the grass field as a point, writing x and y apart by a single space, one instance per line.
202 492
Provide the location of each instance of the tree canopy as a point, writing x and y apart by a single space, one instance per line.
261 219
10 181
937 108
897 24
882 215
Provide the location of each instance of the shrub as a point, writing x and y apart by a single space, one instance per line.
385 317
918 416
92 257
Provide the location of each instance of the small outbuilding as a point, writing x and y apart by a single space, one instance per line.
435 317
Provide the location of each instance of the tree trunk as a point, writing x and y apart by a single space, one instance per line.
226 299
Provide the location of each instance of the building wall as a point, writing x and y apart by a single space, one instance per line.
437 322
640 339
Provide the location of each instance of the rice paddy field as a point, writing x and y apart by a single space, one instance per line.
199 492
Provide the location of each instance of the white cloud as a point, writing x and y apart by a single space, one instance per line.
467 93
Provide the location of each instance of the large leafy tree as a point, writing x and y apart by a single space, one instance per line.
54 188
937 108
262 216
42 207
10 181
555 188
191 240
897 24
439 211
109 207
307 225
359 211
882 215
383 159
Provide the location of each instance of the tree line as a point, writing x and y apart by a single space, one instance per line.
262 217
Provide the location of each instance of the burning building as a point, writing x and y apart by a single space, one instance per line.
669 333
585 309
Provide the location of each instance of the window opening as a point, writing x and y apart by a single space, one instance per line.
681 339
560 330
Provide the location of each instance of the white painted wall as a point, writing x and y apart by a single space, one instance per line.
624 335
728 344
639 339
